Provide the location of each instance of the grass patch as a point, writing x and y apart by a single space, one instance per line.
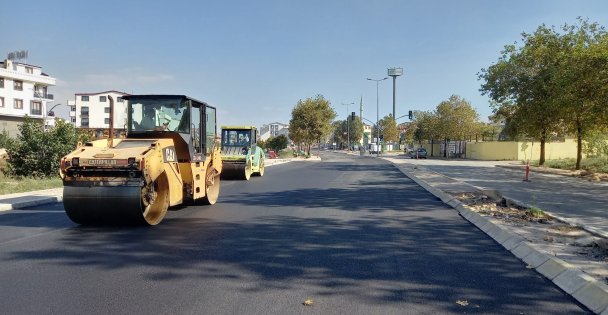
593 164
9 185
536 212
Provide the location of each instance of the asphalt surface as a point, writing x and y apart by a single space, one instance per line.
351 233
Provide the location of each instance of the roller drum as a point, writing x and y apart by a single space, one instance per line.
104 205
236 171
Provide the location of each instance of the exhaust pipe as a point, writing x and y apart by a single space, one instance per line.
111 132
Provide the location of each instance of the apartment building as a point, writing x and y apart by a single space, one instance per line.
92 111
23 92
273 129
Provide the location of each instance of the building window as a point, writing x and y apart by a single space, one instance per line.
18 104
73 120
106 110
36 108
84 98
18 85
84 122
119 99
1 82
102 98
106 121
84 110
29 70
72 108
1 101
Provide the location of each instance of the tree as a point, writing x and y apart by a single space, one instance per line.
582 81
36 152
277 143
520 84
388 129
311 121
344 130
456 119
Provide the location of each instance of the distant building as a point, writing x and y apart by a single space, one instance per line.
273 130
23 92
92 111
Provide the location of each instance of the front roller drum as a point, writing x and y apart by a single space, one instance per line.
236 171
122 205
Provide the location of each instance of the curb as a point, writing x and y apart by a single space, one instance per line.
30 203
582 287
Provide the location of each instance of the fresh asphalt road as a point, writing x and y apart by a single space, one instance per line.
351 233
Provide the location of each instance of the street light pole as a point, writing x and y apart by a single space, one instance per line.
49 113
347 126
377 114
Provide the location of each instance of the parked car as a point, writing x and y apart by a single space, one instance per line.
420 152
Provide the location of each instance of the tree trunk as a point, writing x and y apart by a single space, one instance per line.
579 146
543 140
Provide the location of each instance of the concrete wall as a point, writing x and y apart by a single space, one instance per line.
511 150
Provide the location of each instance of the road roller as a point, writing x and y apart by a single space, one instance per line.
169 156
241 156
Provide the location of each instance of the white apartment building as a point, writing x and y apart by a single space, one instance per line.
273 129
92 110
23 92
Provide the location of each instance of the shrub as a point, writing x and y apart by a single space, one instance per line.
37 153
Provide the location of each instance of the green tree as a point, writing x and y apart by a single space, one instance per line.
521 88
342 131
277 143
311 121
36 152
582 81
456 119
388 129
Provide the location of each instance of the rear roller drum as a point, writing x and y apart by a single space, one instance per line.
212 187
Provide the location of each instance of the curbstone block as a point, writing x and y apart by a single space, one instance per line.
476 217
482 222
502 235
536 258
553 267
486 228
572 280
594 296
512 242
523 250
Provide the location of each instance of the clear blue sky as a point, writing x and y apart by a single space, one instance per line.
254 60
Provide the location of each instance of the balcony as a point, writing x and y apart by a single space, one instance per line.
43 95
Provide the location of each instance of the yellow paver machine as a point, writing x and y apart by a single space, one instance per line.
240 154
170 156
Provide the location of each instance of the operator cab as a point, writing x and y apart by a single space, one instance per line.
187 121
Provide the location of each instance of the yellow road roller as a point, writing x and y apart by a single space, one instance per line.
170 156
241 156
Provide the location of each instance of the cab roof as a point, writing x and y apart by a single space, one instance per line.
165 96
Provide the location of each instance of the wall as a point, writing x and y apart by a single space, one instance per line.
511 150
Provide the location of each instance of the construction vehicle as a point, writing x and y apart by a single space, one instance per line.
170 156
241 156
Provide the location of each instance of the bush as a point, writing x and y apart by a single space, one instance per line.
37 153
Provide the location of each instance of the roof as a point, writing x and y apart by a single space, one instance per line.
105 92
239 127
161 96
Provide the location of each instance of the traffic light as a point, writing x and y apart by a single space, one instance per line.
352 116
410 114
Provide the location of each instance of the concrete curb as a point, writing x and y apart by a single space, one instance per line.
582 287
30 203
